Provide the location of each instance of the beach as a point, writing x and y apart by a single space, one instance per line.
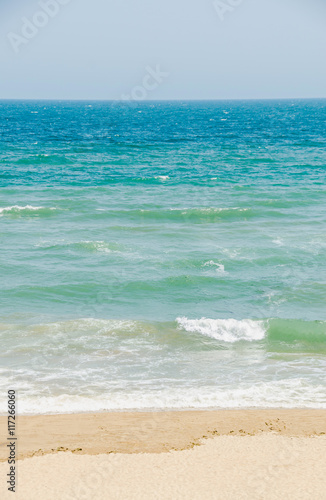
223 454
163 250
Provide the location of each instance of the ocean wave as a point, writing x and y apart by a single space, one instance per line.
133 364
86 245
196 215
226 330
296 331
17 210
205 215
275 330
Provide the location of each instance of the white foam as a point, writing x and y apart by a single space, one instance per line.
18 208
85 325
219 268
227 330
294 393
162 177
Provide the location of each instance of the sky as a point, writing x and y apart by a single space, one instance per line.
162 49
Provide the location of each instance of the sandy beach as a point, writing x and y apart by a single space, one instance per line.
163 250
256 454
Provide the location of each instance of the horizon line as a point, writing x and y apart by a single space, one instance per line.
130 101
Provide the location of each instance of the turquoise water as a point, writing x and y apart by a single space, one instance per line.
163 255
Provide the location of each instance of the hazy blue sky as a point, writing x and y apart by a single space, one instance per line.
105 49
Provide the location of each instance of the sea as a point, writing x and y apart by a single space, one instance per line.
162 255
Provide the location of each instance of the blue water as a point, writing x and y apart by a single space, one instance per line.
163 254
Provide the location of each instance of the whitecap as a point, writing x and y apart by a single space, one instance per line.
14 209
219 268
162 177
227 330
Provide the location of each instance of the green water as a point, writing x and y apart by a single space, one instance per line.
163 255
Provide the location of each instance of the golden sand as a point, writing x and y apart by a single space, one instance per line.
254 454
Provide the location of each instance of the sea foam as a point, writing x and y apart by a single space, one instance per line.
273 394
19 210
219 268
227 330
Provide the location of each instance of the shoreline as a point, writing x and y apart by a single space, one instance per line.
152 432
166 410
